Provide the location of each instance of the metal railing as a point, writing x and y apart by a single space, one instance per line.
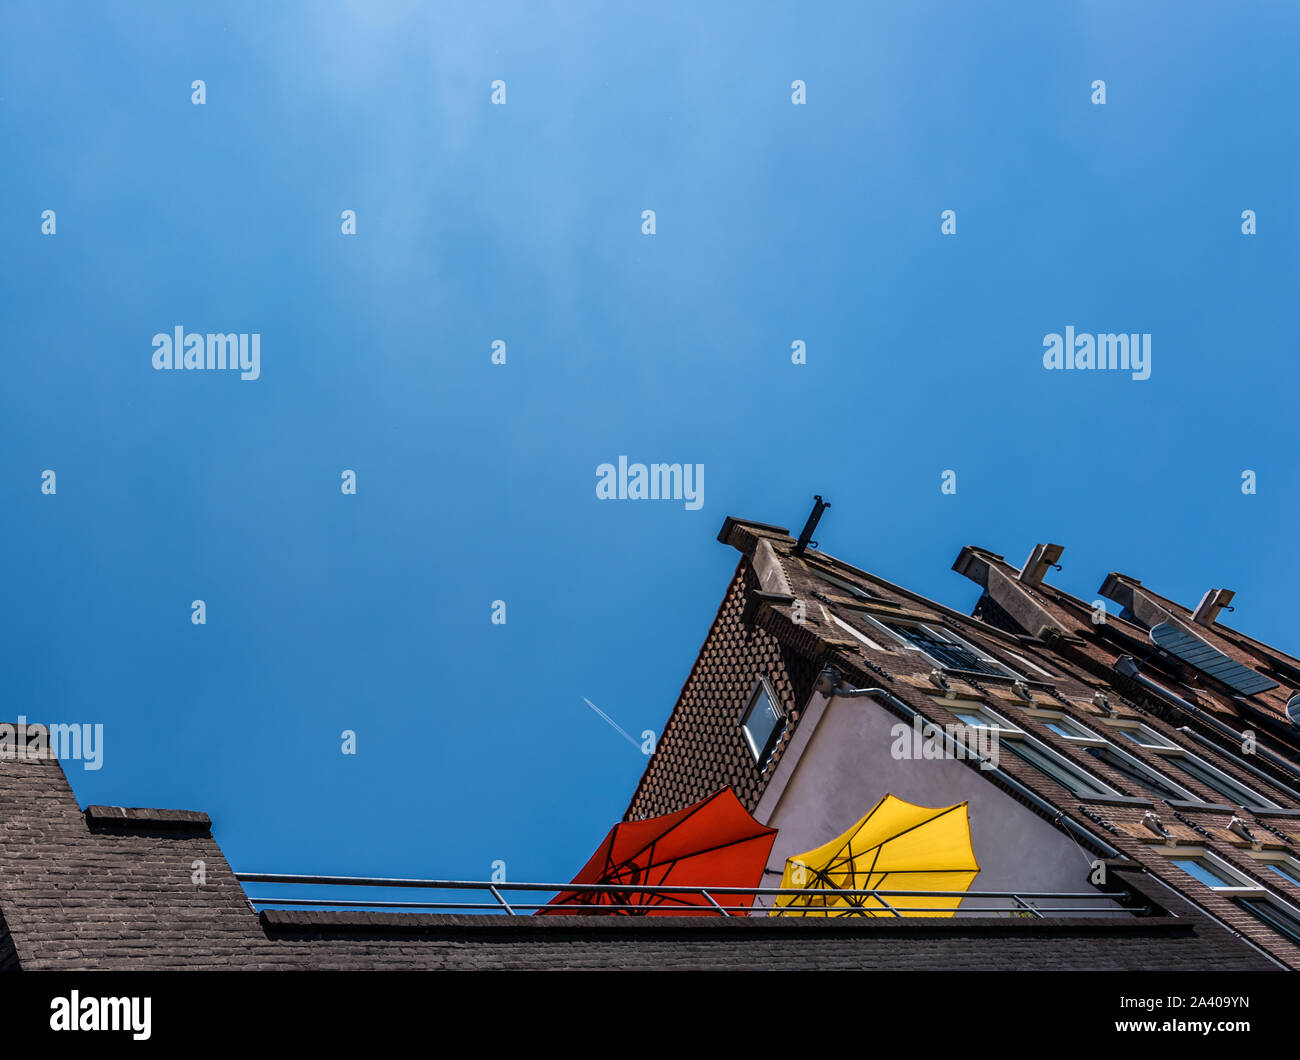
638 899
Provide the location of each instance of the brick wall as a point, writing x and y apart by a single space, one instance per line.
96 894
702 747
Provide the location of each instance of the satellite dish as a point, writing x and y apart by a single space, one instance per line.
1293 709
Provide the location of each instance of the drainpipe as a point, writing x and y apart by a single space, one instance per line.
1056 816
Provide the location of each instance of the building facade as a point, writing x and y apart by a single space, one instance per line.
1156 738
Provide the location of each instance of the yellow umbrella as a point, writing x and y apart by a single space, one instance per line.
895 847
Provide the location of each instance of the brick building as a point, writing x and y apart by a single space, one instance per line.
1147 759
1157 738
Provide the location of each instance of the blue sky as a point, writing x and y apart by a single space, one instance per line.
522 222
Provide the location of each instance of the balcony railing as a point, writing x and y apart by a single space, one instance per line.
707 901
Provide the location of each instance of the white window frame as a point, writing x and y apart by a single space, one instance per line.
1267 858
941 632
1033 665
1013 734
1249 889
1156 779
761 754
1244 888
856 632
996 723
1165 743
1169 749
1101 789
1264 803
1087 736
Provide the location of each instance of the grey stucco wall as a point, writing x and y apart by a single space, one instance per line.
839 765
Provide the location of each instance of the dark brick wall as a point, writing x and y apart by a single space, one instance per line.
8 956
73 896
702 748
1064 947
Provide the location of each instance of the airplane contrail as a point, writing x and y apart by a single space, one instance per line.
612 722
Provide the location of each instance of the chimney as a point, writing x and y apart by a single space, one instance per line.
1039 560
1207 611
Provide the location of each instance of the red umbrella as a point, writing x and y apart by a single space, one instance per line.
715 843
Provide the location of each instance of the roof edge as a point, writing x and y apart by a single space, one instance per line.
731 525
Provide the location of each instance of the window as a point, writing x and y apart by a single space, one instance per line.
1052 765
945 648
856 591
1212 872
1144 737
856 632
1142 775
1069 728
763 723
1287 868
1281 918
978 716
1237 794
1032 665
1245 893
1027 749
1189 765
